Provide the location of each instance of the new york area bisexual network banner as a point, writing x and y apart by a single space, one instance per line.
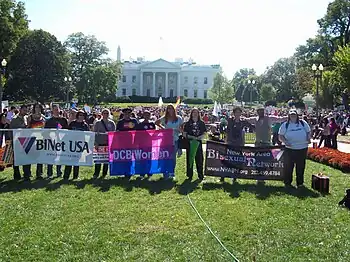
53 146
259 163
141 152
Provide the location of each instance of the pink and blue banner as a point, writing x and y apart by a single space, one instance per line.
141 152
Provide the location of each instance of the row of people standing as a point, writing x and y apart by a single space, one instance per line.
328 133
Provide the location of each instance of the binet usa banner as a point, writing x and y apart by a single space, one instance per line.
53 146
141 152
259 163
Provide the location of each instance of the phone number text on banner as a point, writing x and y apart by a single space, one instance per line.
141 152
53 147
259 163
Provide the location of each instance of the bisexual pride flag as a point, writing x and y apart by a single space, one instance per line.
141 152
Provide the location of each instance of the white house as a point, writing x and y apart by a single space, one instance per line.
161 78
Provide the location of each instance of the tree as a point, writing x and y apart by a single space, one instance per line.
38 66
342 65
222 90
239 81
267 92
85 52
336 22
13 25
99 84
282 75
329 90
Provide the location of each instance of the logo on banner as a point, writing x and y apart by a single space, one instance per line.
27 143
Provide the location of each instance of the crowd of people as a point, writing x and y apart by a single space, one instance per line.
288 126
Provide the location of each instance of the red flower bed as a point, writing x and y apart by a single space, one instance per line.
330 157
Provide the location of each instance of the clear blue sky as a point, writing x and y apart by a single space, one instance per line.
234 33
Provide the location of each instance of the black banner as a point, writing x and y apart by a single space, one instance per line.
258 163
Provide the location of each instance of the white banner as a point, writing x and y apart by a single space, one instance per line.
53 146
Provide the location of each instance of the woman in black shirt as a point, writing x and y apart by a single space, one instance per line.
78 124
195 130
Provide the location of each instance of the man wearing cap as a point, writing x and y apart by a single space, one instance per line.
263 125
127 123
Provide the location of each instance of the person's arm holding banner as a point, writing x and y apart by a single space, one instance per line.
160 123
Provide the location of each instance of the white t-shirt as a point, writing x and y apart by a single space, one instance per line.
296 134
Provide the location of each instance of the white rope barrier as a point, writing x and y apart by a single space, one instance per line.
210 230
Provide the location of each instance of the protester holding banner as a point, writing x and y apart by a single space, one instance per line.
296 135
172 121
235 126
126 123
72 115
146 123
20 121
37 120
194 131
263 126
58 122
80 125
101 128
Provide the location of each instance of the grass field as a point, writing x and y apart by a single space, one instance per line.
151 220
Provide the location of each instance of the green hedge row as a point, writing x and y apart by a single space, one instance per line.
146 99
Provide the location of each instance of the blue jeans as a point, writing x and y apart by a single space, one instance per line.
176 147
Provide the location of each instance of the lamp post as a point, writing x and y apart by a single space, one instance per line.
318 76
67 80
251 83
2 73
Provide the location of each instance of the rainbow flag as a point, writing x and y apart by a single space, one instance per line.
177 101
59 126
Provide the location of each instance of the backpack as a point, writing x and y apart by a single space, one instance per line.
300 121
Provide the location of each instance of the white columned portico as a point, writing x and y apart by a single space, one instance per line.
141 84
178 84
166 84
154 84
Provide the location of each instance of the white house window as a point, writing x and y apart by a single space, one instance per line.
185 93
134 92
124 78
195 93
124 91
186 79
148 80
205 80
148 92
195 80
171 93
205 94
134 79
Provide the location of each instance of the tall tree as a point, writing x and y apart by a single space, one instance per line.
239 81
222 90
13 25
282 75
267 92
99 84
336 22
38 67
85 51
342 65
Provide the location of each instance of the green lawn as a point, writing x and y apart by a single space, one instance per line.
142 220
